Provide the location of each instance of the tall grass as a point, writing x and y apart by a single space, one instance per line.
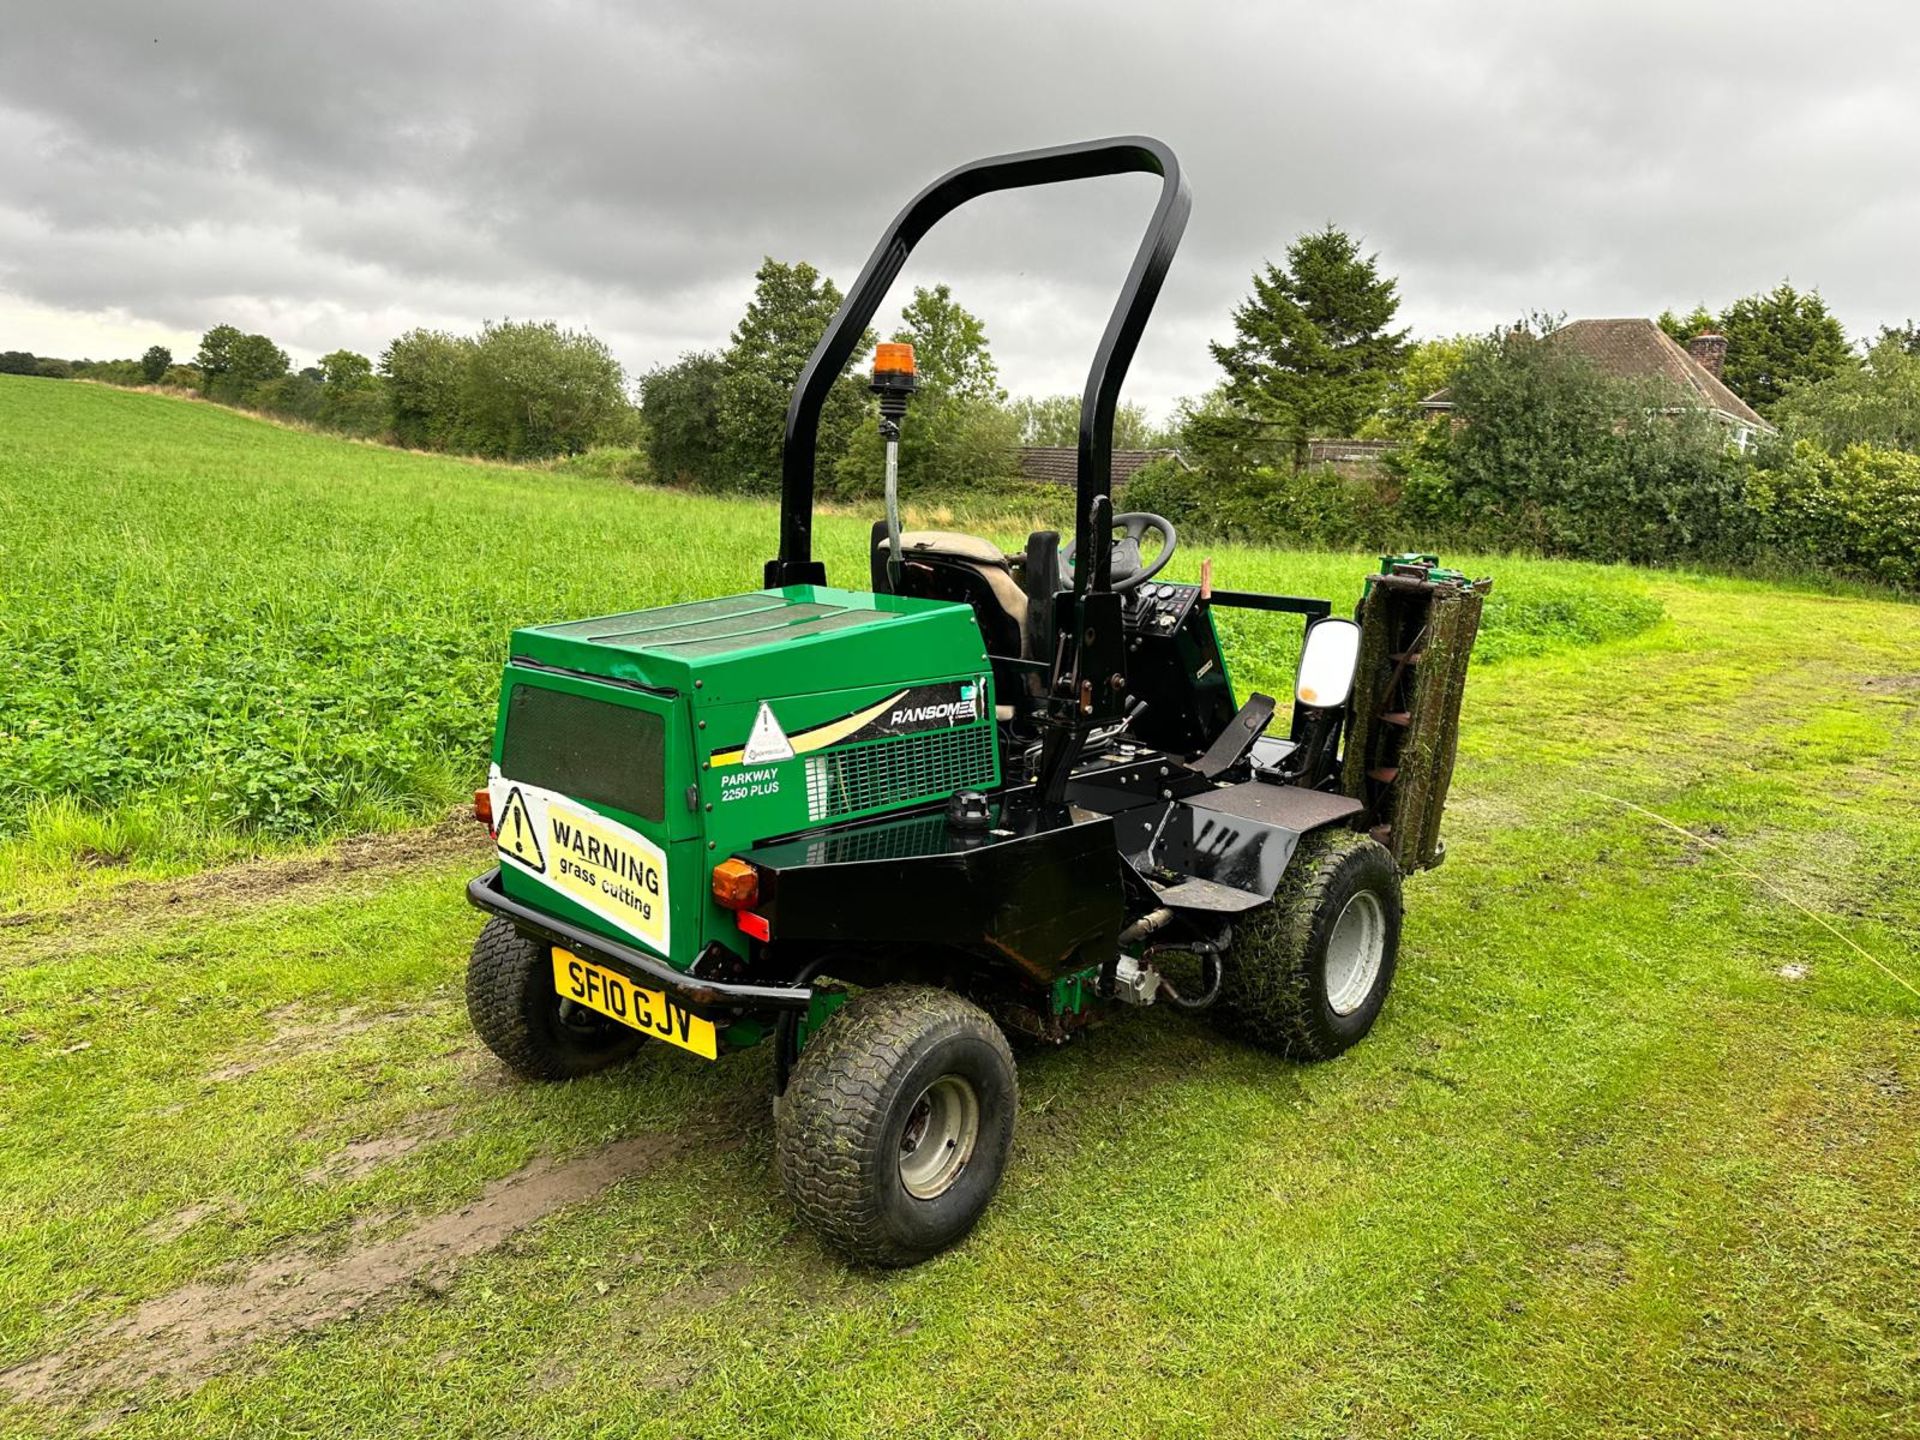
217 633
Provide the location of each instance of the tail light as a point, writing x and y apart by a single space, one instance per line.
483 807
736 885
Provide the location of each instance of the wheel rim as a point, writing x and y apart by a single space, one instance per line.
938 1139
1355 951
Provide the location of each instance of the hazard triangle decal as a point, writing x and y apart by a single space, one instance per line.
517 837
768 742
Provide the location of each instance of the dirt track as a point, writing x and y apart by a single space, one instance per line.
199 1329
344 864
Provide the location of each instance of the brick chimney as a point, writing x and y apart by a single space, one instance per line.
1709 347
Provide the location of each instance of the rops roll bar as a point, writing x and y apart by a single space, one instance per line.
1122 155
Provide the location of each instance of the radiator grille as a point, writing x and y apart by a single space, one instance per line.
930 765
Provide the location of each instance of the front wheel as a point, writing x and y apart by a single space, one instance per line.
1308 971
514 1008
895 1127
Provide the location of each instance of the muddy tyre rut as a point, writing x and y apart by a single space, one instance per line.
203 1328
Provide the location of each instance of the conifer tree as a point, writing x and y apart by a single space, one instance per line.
1312 353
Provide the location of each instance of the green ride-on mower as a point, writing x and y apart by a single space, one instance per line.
970 795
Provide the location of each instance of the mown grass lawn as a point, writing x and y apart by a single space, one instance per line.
1635 1149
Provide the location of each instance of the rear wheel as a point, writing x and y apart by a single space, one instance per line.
1308 972
895 1127
523 1019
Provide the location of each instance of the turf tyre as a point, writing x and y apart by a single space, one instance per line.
517 1012
1274 984
843 1126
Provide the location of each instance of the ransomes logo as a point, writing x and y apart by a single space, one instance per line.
919 707
920 714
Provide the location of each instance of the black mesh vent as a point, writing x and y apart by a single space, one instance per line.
932 764
923 835
587 749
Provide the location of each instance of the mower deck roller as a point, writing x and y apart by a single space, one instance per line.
883 828
1418 625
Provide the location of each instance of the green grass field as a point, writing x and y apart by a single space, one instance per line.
1635 1149
217 635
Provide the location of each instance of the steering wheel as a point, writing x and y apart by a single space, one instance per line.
1130 528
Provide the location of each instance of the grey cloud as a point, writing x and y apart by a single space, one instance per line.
351 169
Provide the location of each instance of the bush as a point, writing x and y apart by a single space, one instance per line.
516 391
50 369
534 390
626 463
1560 460
18 362
234 366
1877 403
681 405
353 400
1857 512
292 397
949 444
109 372
1319 505
1176 490
425 372
365 412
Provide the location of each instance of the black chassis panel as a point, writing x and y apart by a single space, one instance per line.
1042 892
1224 849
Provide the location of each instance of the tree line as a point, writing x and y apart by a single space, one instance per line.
711 420
516 390
715 420
1538 450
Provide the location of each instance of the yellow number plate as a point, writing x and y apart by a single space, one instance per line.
618 998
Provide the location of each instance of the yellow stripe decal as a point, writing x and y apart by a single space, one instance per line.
820 736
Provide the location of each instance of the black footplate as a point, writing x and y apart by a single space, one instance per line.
1237 739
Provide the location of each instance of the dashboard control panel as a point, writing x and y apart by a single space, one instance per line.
1156 608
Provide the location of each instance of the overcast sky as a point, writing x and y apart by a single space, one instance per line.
336 173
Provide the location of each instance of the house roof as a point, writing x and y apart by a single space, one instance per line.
1635 349
1060 464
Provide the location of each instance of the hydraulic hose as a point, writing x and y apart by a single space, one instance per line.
1209 973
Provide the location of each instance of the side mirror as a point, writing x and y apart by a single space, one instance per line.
1328 660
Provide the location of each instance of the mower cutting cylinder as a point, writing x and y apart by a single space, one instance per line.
1417 628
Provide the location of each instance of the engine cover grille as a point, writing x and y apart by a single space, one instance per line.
901 771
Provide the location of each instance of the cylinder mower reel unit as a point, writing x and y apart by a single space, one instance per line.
972 792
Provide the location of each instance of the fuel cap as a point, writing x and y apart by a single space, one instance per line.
968 810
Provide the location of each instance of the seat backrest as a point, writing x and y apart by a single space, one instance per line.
945 565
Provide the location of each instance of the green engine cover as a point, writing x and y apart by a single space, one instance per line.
634 752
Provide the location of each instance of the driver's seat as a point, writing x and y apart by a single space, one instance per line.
948 565
1012 597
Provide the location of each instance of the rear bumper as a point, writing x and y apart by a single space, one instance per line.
486 894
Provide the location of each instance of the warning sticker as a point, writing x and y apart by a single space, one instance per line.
517 835
768 742
599 864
